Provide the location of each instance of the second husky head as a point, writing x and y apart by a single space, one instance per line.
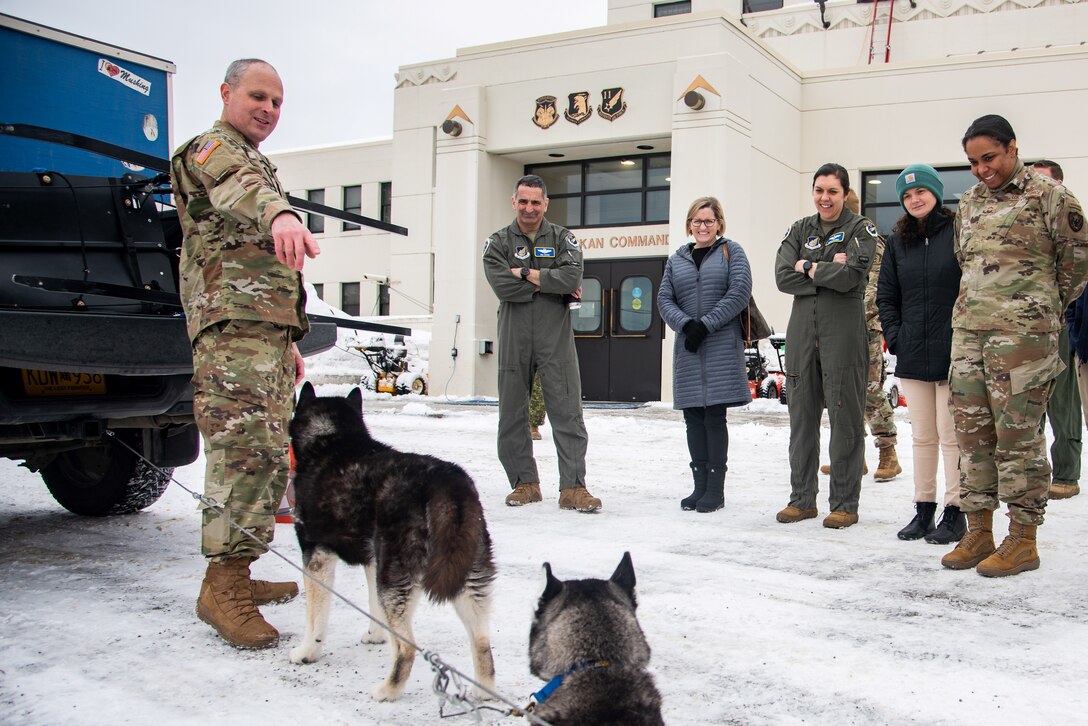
579 620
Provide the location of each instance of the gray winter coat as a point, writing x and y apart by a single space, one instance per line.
715 294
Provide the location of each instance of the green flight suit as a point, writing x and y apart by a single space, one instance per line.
827 357
536 337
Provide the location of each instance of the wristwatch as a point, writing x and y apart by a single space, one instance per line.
525 273
807 266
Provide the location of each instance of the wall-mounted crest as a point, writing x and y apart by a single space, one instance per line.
578 107
612 104
546 114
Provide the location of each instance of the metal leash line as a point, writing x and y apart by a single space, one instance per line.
443 671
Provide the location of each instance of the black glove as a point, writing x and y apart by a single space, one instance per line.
694 335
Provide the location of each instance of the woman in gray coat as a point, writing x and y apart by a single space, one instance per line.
707 284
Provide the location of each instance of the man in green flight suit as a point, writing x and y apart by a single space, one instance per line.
531 265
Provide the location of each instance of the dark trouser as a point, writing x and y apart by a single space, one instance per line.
828 369
1063 410
708 437
562 388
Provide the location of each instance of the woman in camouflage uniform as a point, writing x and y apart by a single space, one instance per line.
1023 250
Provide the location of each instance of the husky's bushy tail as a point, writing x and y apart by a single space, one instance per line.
457 530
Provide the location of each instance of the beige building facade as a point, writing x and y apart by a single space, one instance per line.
631 121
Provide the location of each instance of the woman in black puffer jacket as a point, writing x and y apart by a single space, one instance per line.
918 284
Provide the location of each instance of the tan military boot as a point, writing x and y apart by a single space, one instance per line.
578 498
524 493
1064 489
826 469
265 593
889 467
1015 555
226 603
976 545
792 514
534 432
840 520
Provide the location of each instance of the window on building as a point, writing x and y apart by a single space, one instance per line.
349 298
664 10
608 192
353 202
319 288
386 201
315 222
758 6
383 299
879 203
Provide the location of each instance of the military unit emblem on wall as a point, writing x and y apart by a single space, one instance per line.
579 108
545 114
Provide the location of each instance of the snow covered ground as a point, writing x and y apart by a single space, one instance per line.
750 621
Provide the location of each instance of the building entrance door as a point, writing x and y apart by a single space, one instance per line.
618 332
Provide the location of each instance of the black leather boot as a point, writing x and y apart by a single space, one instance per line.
952 527
698 474
714 498
922 524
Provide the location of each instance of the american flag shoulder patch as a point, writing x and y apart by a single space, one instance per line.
205 152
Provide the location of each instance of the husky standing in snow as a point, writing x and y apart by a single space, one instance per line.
586 642
414 522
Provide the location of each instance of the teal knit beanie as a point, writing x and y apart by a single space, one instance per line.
919 175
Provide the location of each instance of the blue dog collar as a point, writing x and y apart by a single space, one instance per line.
549 688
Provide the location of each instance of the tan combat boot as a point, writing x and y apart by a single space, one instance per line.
1064 489
578 498
792 514
534 432
265 593
524 493
840 520
826 469
1015 555
226 603
889 467
976 545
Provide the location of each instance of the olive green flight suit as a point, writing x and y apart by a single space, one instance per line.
536 337
827 357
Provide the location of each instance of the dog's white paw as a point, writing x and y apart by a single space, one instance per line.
305 653
374 636
383 692
483 695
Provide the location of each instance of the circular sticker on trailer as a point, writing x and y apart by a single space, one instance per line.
151 127
636 304
636 291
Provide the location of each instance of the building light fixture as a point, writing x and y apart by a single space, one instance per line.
626 162
694 100
451 127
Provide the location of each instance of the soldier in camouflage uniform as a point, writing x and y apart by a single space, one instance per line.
536 409
1023 249
878 412
241 289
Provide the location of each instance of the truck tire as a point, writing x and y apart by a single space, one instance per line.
104 480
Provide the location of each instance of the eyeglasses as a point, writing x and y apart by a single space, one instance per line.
703 222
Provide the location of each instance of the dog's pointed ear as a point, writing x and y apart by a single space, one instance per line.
355 398
307 393
552 585
624 576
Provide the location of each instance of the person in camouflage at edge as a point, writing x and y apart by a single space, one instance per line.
878 412
241 289
1023 250
536 409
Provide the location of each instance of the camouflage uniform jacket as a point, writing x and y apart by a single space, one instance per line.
1023 250
872 314
227 196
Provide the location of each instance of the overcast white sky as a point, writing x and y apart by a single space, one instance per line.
337 59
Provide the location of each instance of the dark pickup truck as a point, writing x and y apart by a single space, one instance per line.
92 340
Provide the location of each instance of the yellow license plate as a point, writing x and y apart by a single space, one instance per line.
56 383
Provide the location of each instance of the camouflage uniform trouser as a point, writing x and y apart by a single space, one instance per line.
536 404
243 379
999 386
878 412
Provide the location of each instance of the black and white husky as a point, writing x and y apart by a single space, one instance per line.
414 522
587 643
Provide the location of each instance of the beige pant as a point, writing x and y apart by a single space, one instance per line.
1082 384
933 429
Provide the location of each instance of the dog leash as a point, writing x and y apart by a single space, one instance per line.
445 674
